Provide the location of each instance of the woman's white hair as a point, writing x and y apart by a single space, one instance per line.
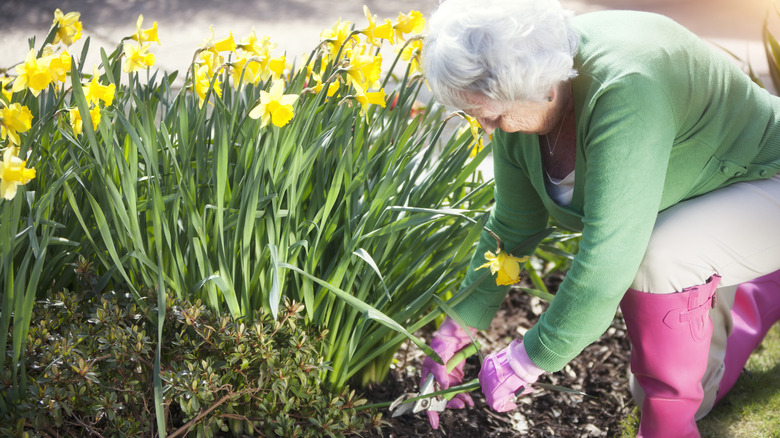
505 50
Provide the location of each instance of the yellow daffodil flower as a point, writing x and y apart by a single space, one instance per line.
4 81
58 65
411 54
337 36
137 57
13 173
505 265
145 35
32 74
364 70
261 48
202 83
478 144
77 123
333 87
412 23
227 44
374 34
69 29
316 78
369 98
95 91
250 69
275 106
212 59
277 66
14 119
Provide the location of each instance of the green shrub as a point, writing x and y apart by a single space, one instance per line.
89 363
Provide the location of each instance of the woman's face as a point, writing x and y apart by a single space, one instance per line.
529 117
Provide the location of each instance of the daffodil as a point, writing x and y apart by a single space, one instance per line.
333 87
77 123
337 35
58 65
32 74
478 144
274 106
366 98
13 173
137 57
212 59
364 70
245 71
14 119
374 34
202 83
95 91
69 27
412 23
227 44
277 66
257 47
145 35
315 78
505 265
411 54
4 81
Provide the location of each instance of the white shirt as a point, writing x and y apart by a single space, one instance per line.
560 190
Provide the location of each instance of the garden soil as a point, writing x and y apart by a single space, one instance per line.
601 371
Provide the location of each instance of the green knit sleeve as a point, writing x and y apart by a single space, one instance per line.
518 213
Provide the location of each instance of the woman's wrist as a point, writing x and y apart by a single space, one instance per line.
521 364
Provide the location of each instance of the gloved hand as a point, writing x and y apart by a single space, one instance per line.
447 340
504 373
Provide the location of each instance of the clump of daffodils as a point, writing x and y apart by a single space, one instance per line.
347 66
359 63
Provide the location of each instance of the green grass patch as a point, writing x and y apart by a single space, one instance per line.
751 408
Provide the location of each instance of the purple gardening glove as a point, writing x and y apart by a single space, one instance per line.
504 373
447 340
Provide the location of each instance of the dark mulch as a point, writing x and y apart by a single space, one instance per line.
601 371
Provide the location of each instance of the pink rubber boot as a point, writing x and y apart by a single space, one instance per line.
756 309
670 340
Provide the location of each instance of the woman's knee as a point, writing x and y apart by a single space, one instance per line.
667 268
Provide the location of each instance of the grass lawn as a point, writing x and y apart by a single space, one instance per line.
752 408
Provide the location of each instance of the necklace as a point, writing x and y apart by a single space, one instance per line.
557 136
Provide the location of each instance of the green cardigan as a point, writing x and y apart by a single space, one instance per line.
661 117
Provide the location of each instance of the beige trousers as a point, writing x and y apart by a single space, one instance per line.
733 232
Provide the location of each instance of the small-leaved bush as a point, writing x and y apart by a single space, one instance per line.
89 362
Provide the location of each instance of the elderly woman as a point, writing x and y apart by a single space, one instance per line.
630 129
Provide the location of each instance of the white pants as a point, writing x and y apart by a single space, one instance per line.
733 232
